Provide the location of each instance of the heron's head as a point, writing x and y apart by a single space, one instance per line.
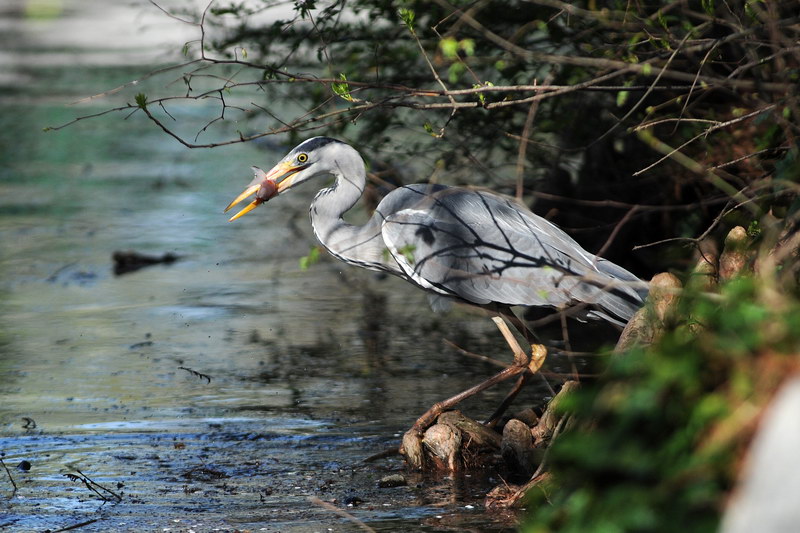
311 158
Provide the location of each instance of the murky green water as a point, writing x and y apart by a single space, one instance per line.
310 371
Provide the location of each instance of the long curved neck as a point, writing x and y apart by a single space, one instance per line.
361 245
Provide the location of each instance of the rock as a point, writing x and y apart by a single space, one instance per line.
444 443
528 416
517 447
473 432
411 448
393 480
639 330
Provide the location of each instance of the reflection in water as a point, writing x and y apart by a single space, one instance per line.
310 371
373 330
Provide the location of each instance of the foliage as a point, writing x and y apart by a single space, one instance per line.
666 114
658 441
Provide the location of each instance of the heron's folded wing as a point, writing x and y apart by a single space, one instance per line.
478 261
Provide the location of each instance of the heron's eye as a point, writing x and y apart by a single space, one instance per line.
302 158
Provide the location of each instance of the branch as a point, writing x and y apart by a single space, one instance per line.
675 151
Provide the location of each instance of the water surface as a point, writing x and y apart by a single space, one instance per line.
308 372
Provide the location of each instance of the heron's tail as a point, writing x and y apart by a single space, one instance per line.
622 296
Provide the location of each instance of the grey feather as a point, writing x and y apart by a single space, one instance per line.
462 244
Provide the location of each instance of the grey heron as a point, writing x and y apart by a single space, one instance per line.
458 244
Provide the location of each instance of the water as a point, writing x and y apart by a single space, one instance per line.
308 372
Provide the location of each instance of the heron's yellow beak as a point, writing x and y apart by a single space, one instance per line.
274 182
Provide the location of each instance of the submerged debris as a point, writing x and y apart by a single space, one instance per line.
131 261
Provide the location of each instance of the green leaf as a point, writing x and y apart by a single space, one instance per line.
141 100
468 46
622 97
304 7
311 259
543 294
482 96
407 16
455 71
449 47
342 89
662 20
407 251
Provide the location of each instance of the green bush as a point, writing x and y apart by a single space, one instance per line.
656 443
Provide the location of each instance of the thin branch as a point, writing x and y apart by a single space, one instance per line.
340 512
643 68
696 240
523 145
75 526
641 100
10 477
671 153
479 357
435 76
624 220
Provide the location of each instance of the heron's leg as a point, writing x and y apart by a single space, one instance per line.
519 324
520 357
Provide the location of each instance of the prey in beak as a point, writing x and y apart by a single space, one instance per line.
265 185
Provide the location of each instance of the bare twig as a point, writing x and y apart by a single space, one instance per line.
477 356
10 477
641 100
706 132
94 486
196 373
75 526
696 240
340 512
523 145
624 220
435 76
643 68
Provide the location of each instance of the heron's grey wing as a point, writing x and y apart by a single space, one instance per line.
484 248
464 244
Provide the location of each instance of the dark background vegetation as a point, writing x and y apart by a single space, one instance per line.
651 119
645 129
